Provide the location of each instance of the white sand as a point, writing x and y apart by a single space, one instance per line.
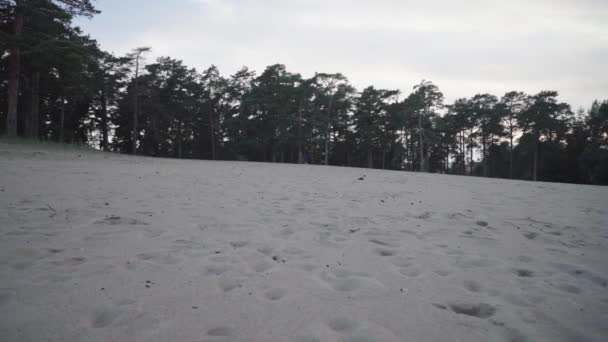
104 247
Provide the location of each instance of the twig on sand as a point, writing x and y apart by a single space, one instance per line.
52 209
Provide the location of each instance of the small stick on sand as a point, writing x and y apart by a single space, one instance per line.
52 209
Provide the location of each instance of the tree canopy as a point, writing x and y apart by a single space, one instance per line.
62 86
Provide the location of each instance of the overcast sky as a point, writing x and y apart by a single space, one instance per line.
463 46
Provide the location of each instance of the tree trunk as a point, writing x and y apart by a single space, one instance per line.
300 155
14 66
412 151
32 110
370 158
463 153
404 144
62 121
511 153
179 139
34 127
471 152
155 134
104 120
135 108
536 153
383 158
484 156
422 161
211 130
331 100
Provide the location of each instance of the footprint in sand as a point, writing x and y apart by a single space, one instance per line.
341 324
126 302
286 233
556 250
73 261
115 220
524 258
158 258
472 286
7 295
516 300
18 233
261 266
425 215
307 338
455 216
227 284
238 244
308 267
215 269
480 310
101 318
383 243
512 335
569 288
345 329
476 262
219 258
344 273
524 273
344 280
578 272
345 284
402 261
360 338
153 232
266 250
219 331
406 266
443 272
275 294
413 272
384 252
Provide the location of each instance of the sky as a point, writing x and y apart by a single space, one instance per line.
465 47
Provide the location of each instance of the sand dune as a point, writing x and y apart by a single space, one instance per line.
105 247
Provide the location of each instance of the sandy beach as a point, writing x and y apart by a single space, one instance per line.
105 247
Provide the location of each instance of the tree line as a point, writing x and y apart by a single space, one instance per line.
62 87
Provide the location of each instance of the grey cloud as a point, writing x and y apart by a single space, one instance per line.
463 46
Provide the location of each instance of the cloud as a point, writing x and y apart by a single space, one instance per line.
464 46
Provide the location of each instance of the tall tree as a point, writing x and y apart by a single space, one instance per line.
544 118
109 76
21 11
327 86
236 122
370 119
136 56
488 118
215 105
513 104
428 97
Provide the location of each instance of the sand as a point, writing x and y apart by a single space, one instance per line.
105 247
